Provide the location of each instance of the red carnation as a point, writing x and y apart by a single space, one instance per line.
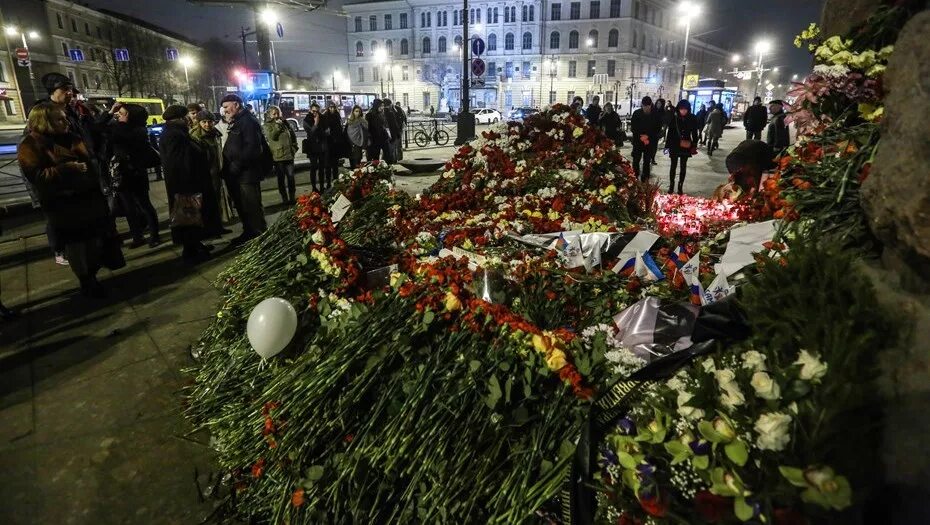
712 508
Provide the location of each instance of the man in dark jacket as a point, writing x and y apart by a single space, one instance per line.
701 117
754 120
394 126
593 113
645 126
244 155
777 135
335 144
314 146
378 129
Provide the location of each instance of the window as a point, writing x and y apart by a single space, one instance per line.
492 69
479 15
556 12
527 40
572 69
554 40
2 72
513 14
636 10
613 38
403 21
429 19
595 11
87 32
361 74
441 45
609 95
611 68
455 17
358 24
642 41
373 23
526 69
359 49
426 102
508 70
374 46
426 46
552 97
64 48
508 98
99 32
375 74
494 20
71 76
61 24
406 100
592 38
508 42
492 42
471 16
458 41
405 74
571 95
575 12
614 8
526 13
506 15
573 40
404 47
74 25
84 82
634 39
592 65
422 19
532 13
388 23
661 16
390 48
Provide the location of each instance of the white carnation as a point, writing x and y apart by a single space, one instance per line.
773 430
812 368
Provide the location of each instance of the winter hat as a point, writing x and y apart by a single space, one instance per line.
174 111
203 115
232 97
53 81
683 104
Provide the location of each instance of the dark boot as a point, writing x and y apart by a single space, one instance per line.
681 183
91 287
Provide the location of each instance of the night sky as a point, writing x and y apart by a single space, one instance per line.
315 42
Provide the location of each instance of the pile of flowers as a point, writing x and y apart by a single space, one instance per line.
451 348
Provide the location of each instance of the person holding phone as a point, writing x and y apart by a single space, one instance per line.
59 165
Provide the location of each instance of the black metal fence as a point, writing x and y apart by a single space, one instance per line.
428 133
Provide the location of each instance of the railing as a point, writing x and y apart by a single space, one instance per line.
429 133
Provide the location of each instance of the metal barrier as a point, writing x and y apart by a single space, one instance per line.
431 133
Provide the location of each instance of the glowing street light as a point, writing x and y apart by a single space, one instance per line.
381 59
268 17
664 59
477 28
186 62
12 31
589 42
736 58
794 77
762 47
687 11
775 69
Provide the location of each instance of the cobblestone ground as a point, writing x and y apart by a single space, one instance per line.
91 430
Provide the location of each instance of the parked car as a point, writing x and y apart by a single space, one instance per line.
487 116
519 114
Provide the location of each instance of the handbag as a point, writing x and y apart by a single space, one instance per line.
684 144
187 210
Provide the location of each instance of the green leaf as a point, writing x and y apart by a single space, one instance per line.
706 428
495 392
545 466
627 461
795 476
315 472
701 462
737 451
566 449
742 509
507 386
474 365
678 450
302 258
428 317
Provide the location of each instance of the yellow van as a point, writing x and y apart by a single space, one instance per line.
154 106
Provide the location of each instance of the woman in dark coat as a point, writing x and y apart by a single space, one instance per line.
681 142
377 130
133 155
187 172
610 123
59 166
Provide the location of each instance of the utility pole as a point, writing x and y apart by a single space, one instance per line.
465 123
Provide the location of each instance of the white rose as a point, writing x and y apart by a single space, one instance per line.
708 365
773 431
754 360
765 386
686 411
812 368
732 396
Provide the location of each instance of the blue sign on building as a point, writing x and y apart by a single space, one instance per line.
171 53
76 55
121 55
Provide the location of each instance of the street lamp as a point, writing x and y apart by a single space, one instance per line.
736 58
34 35
552 65
794 77
686 11
775 70
590 42
336 74
762 47
186 62
270 19
380 59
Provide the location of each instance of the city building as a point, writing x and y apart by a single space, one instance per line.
537 52
11 106
106 54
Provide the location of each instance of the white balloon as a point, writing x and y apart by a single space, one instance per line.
272 325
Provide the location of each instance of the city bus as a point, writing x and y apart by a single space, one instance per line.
296 104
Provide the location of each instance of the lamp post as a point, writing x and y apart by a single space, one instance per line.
465 123
380 59
335 74
552 65
686 10
34 35
186 62
270 19
762 47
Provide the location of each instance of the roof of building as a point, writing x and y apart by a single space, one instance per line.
148 25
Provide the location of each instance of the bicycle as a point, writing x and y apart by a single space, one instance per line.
439 136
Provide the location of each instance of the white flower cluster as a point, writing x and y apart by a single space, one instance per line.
831 71
340 305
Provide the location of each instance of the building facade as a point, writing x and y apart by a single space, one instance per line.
106 54
537 51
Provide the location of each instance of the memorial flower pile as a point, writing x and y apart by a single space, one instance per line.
456 352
